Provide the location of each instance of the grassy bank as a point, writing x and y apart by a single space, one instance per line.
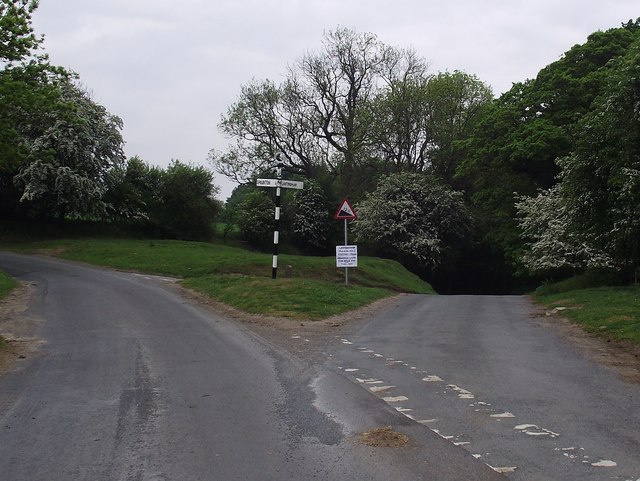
241 277
608 311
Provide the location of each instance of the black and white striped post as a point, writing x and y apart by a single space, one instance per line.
278 184
276 227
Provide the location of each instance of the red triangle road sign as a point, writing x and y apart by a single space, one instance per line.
345 211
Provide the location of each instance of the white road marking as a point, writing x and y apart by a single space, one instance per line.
432 378
428 421
380 388
534 430
395 399
605 463
437 431
503 415
462 393
504 469
351 369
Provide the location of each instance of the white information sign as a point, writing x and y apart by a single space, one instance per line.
346 256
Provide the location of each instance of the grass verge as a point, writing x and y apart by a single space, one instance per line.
305 299
7 284
608 311
241 277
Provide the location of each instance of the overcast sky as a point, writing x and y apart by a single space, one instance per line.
171 68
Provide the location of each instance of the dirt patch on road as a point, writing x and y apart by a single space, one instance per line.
383 438
17 328
621 356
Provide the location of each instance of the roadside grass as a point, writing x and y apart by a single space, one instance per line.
304 299
7 284
241 277
608 311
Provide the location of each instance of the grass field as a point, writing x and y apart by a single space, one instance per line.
241 277
609 311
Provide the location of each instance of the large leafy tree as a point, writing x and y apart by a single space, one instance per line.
318 117
420 121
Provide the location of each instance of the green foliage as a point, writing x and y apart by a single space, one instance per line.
413 216
133 191
187 202
514 154
255 216
17 39
593 214
601 178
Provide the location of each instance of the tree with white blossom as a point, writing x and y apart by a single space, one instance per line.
413 216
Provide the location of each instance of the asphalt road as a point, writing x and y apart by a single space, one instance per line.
135 383
486 373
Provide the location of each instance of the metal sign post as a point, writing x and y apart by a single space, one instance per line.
278 184
346 256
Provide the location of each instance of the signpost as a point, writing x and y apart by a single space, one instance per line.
278 184
346 255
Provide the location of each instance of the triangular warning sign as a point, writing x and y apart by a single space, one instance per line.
345 211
